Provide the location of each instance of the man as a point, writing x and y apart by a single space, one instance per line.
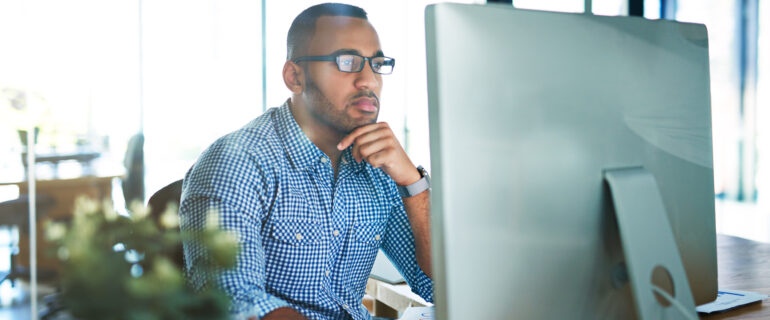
314 188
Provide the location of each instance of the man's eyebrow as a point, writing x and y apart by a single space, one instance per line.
356 52
346 51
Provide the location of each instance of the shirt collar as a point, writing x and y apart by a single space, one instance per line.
302 152
346 159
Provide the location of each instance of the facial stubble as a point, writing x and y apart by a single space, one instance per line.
324 111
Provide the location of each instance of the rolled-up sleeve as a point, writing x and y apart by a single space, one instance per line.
399 247
229 181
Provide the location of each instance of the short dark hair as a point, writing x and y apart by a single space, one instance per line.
303 27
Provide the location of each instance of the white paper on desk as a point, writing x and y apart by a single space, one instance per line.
418 313
728 299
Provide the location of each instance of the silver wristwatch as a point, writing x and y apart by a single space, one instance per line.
417 187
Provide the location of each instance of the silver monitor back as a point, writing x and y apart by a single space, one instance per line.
527 109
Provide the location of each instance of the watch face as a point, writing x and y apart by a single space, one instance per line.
423 173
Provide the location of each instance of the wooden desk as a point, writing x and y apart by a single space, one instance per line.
743 265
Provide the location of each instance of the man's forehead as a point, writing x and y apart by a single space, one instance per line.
333 33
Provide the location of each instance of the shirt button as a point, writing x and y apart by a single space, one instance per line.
336 232
345 305
377 237
327 273
323 159
344 160
299 236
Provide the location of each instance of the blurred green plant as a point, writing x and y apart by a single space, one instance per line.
118 267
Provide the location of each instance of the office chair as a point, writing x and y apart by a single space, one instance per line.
133 183
158 203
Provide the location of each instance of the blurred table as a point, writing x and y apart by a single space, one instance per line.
64 192
55 157
91 179
84 158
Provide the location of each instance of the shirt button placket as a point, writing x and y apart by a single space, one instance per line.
327 172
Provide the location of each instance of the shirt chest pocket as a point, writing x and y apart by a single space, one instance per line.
297 232
369 233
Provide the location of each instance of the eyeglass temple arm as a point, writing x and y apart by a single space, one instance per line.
315 58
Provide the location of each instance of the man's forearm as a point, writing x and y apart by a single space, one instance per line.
418 211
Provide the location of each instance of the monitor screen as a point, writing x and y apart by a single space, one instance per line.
527 110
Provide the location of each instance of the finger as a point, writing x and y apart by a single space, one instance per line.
371 136
378 159
350 138
376 134
373 147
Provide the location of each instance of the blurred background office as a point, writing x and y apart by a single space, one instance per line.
91 75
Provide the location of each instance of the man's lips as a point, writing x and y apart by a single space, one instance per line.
365 104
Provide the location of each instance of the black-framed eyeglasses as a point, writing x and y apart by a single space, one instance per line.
355 63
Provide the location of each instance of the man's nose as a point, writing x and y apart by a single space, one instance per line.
367 78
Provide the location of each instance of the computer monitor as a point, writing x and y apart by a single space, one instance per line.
527 112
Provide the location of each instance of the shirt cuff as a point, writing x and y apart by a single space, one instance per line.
263 305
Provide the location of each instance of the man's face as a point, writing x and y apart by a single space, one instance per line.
340 100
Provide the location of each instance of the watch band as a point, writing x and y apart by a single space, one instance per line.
417 187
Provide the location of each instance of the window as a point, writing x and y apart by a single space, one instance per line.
75 64
722 18
552 5
202 78
763 104
88 67
610 7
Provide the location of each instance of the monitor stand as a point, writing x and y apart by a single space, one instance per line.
648 243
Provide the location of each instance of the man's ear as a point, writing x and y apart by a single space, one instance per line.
293 77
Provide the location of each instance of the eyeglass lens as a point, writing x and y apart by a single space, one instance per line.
355 63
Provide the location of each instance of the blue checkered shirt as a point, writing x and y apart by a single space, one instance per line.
307 241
